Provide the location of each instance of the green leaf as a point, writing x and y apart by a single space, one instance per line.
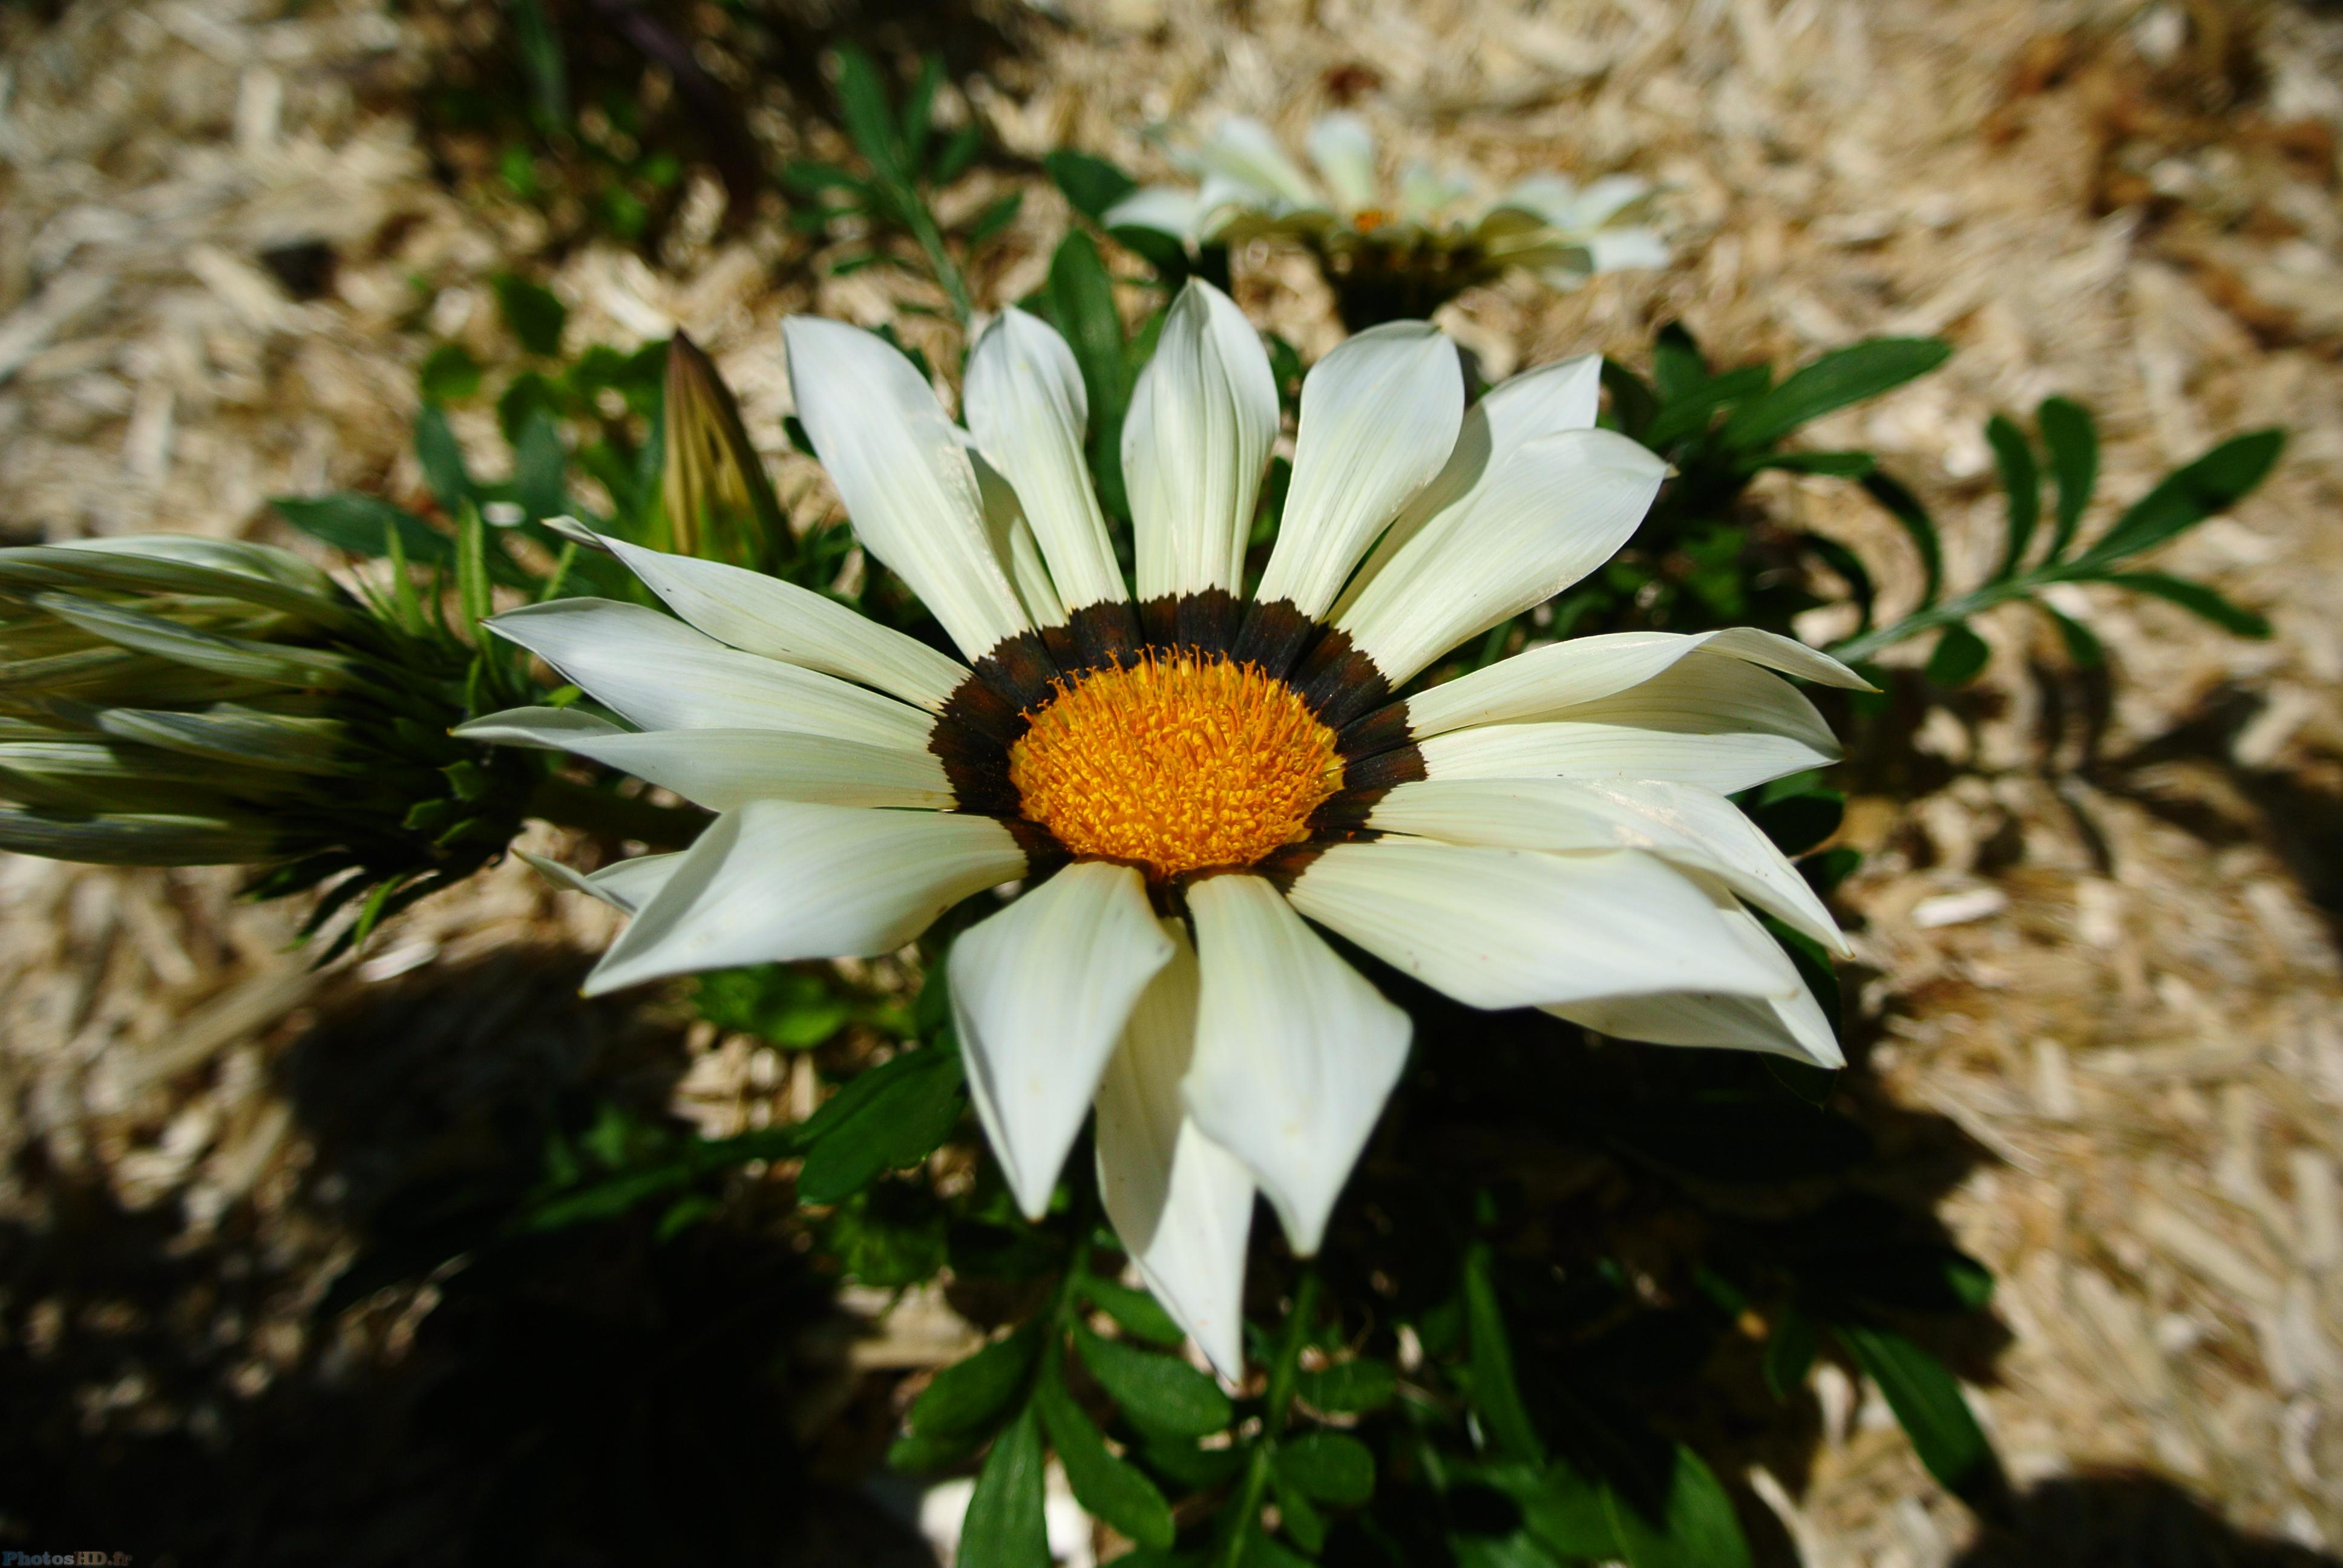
355 524
1139 1313
441 459
957 152
1698 1528
1562 1509
1688 415
1261 1552
535 315
1906 508
890 1117
919 110
2188 496
1158 1393
792 1008
889 1235
539 49
1835 465
1197 1469
1298 1518
2073 444
1005 1527
1115 1491
1329 1467
971 1395
1091 184
2083 645
1790 1353
1810 1083
1080 302
863 103
1633 402
450 374
1495 1393
1798 822
1928 1402
2022 481
1958 655
1351 1387
995 218
1849 375
540 470
2195 597
1677 365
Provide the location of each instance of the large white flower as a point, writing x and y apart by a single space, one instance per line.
1249 186
1194 783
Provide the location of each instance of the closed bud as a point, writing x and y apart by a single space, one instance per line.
719 503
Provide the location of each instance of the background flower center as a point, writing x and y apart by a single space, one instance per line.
1178 763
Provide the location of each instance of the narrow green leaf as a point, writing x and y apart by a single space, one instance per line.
2083 645
450 374
1906 508
1633 402
471 568
1005 1527
863 103
1563 1515
240 657
1697 1530
1688 415
994 218
1261 1550
1928 1402
919 110
889 1119
1329 1467
1834 464
1115 1491
1349 1387
958 151
2073 444
1958 655
1298 1519
1091 184
1849 375
139 839
1495 1393
1798 822
540 470
441 459
1139 1313
1079 299
1158 1393
971 1395
2188 496
1790 1353
2193 597
1677 363
2022 482
535 314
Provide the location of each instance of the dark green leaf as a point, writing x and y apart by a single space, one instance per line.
919 107
2187 496
1798 823
1079 300
1790 1353
1688 415
2195 597
1298 1519
450 374
889 1235
2021 481
1139 1313
1495 1393
890 1116
1111 1490
1848 375
1906 508
862 103
1158 1393
1328 1466
1563 1515
971 1395
540 470
1358 1385
1263 1552
809 178
1091 184
357 524
1677 363
2083 644
995 217
540 48
792 1008
1698 1528
1928 1402
958 151
441 459
1632 403
1005 1527
530 310
2073 444
1835 464
1193 1467
1810 1083
1958 655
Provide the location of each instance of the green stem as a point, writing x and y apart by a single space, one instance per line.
1931 617
598 811
1277 1401
922 225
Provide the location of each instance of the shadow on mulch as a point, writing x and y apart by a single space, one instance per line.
587 1396
2127 1520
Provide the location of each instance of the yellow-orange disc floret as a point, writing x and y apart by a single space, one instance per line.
1176 763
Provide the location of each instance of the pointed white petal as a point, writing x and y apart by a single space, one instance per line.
1621 249
1605 199
1544 682
1550 198
1181 1203
1011 538
1167 209
722 769
1795 1027
1378 418
1244 150
1537 403
903 475
777 880
1198 434
760 614
624 885
661 675
1530 529
1345 151
1295 1051
1708 720
1027 408
1509 928
1040 995
1682 824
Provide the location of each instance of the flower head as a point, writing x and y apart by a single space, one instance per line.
1393 250
1194 782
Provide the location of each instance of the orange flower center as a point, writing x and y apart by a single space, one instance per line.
1177 763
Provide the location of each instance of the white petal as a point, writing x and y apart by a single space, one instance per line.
1040 995
624 885
1550 198
1203 417
1621 249
777 880
905 478
1244 150
760 614
1295 1051
1713 721
1532 527
1547 401
1167 209
1605 199
1544 682
1509 928
1682 825
1181 1203
1027 408
722 769
1378 418
661 675
1345 151
1424 192
1011 537
1795 1027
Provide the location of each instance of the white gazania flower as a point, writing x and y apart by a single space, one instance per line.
1249 186
1193 783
